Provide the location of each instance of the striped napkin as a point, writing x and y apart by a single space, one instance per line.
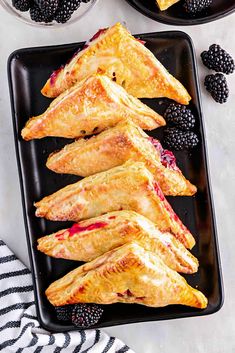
19 328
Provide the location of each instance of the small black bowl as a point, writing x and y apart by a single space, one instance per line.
176 15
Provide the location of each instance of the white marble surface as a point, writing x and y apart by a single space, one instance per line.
212 334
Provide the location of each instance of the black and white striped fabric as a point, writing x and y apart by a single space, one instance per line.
19 329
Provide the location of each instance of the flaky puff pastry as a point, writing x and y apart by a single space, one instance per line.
88 108
165 4
117 54
113 147
87 240
127 187
128 274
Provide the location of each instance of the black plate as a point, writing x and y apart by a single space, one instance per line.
176 15
28 70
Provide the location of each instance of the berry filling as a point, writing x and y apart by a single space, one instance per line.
159 192
60 236
128 294
77 228
168 207
141 41
55 74
98 34
86 45
167 157
95 36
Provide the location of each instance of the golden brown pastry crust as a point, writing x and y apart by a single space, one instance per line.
127 187
88 108
113 147
165 4
117 52
89 239
128 274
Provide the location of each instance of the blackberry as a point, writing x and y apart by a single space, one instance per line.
86 315
66 9
218 59
48 7
217 86
179 140
64 313
179 116
21 5
38 16
194 6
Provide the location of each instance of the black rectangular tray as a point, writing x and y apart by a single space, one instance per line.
28 70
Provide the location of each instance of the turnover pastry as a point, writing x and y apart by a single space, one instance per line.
87 240
117 54
164 4
89 107
127 187
113 147
128 274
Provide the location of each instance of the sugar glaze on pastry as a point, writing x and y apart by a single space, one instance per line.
86 240
128 274
89 107
127 187
117 54
113 147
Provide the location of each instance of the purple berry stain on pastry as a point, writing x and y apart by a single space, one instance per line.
140 41
77 228
95 36
86 45
60 236
159 191
167 206
128 294
98 34
167 157
112 217
55 74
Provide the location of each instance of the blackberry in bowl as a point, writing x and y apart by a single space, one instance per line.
48 12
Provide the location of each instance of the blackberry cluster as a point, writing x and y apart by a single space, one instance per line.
195 6
86 315
180 116
21 5
217 86
218 59
37 15
49 10
64 313
66 9
180 140
81 315
48 7
179 137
